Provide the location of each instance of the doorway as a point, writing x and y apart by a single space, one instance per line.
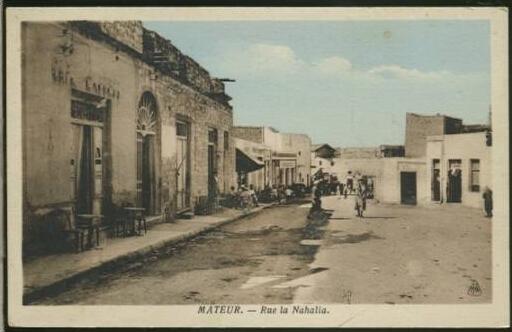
147 193
183 166
454 183
436 180
88 115
212 163
408 188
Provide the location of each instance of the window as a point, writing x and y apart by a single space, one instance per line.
181 129
474 181
320 163
299 153
226 140
332 163
212 135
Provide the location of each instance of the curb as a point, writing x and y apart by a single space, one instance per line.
119 261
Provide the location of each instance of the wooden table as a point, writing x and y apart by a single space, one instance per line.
91 222
136 216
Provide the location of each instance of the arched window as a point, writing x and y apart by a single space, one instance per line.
147 115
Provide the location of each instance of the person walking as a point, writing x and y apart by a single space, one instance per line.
360 198
487 196
349 183
254 197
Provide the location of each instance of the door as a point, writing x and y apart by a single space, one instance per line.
454 183
436 180
147 130
182 168
212 163
211 171
408 188
89 170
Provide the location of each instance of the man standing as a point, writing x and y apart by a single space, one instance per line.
349 183
360 198
487 196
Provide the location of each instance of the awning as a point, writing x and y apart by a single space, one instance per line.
247 164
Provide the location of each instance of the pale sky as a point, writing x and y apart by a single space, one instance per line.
343 83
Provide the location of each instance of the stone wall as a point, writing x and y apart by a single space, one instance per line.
418 127
50 75
128 32
463 147
301 145
358 153
254 134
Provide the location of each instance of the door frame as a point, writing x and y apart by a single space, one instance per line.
187 138
403 188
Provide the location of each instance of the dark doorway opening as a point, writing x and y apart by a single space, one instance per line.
454 185
86 175
436 180
408 188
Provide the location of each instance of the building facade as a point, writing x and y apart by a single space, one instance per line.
418 127
290 160
252 162
114 114
459 168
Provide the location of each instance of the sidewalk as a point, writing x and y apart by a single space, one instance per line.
55 273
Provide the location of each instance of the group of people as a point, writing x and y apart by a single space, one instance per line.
246 196
354 185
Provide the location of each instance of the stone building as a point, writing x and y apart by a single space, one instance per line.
323 161
445 161
459 167
418 127
290 160
114 114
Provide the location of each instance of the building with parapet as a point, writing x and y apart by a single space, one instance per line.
115 115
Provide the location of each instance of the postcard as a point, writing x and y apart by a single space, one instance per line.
257 167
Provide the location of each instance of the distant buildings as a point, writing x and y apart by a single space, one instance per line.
287 160
443 160
322 160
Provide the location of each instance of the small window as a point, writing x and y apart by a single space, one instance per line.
332 163
212 135
299 153
320 163
181 129
474 181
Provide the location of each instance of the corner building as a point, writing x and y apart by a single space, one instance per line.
114 114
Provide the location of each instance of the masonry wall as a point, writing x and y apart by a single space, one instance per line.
300 144
358 153
253 134
386 173
464 147
417 128
100 68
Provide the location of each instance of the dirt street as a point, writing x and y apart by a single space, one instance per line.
402 255
238 263
395 255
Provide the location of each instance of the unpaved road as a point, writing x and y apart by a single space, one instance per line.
395 255
237 263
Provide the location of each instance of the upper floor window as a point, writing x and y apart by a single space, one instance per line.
212 135
320 163
226 140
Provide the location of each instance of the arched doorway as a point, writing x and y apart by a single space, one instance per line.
147 140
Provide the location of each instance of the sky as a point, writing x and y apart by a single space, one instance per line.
346 83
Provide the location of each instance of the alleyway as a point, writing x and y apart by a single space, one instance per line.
396 255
